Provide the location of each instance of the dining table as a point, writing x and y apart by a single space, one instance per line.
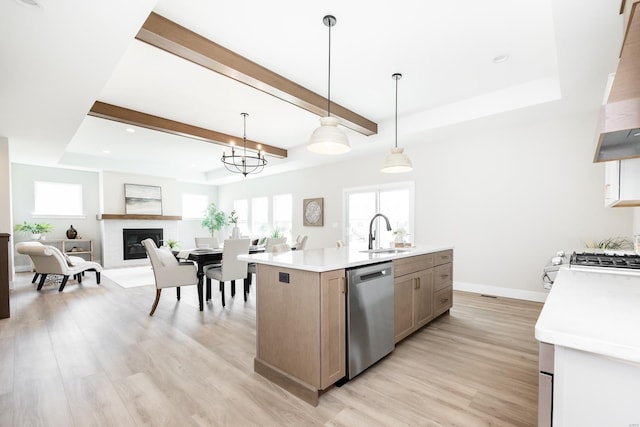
209 256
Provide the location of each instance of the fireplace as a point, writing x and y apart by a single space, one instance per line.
131 241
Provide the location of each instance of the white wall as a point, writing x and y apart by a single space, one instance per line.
23 177
113 188
172 191
507 199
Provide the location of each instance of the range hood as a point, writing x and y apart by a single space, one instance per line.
619 128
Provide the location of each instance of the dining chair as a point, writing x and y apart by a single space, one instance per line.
268 246
231 269
211 242
168 272
281 247
301 242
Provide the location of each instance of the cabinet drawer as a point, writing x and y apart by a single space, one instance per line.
412 264
443 300
444 257
443 276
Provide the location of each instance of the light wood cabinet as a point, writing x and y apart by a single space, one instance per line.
423 290
300 329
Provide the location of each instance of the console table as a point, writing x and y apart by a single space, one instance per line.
83 246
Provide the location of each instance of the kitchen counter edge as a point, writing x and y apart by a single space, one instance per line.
328 259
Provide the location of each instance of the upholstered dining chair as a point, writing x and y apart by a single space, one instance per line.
281 247
168 272
271 241
211 242
301 242
231 269
50 261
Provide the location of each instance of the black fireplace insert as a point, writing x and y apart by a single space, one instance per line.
131 241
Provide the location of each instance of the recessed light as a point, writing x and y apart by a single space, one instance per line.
131 130
29 3
499 59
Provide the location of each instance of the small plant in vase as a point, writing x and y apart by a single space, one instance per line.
233 220
172 244
36 229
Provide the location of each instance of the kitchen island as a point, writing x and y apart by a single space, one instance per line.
301 308
591 325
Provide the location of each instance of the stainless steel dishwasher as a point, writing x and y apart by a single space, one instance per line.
370 316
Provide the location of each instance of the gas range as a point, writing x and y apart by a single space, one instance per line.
613 262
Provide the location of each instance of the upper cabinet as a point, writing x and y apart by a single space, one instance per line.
622 183
619 128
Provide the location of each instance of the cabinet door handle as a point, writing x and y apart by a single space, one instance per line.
443 300
343 285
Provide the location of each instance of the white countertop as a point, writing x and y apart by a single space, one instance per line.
593 311
327 259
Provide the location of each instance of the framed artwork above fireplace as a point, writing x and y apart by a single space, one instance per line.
142 199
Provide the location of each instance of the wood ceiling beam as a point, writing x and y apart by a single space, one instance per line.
136 118
173 38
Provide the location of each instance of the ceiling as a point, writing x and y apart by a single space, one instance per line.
60 57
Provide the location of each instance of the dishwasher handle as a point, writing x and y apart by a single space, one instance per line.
372 276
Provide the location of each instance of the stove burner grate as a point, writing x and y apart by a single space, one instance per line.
630 261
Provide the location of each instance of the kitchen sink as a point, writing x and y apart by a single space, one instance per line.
386 251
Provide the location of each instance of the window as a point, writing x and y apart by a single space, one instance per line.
242 210
283 215
394 201
48 196
260 216
194 205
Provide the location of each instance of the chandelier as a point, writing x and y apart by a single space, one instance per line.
244 163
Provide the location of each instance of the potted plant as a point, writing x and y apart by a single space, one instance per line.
610 243
233 220
172 244
214 219
276 232
36 229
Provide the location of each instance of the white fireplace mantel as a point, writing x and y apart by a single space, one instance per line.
112 243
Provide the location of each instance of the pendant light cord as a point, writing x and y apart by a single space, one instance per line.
329 75
244 133
396 77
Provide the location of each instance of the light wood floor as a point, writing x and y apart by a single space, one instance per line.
91 355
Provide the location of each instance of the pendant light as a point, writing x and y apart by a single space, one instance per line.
328 138
244 163
397 161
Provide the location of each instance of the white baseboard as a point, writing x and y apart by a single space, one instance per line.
499 291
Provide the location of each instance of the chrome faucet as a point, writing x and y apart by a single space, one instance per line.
371 236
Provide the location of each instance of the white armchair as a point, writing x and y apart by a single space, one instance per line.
168 271
49 260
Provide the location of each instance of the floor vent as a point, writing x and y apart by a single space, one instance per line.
488 296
